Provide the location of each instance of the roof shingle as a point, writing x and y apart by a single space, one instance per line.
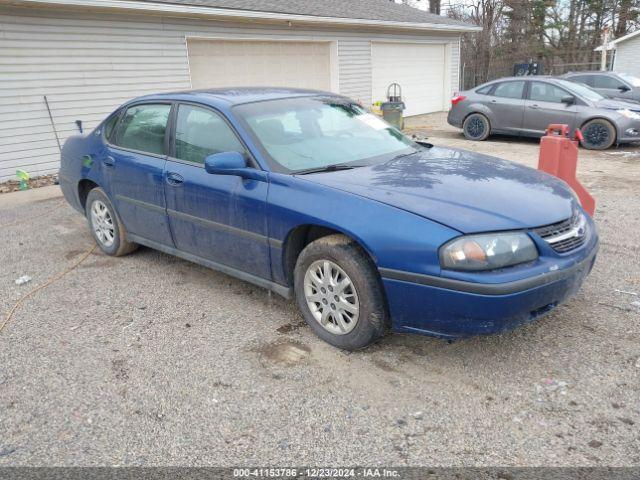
379 10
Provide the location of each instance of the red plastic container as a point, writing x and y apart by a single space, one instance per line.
559 157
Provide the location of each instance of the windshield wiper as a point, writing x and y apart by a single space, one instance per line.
402 155
329 168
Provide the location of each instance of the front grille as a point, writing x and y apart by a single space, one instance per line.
567 235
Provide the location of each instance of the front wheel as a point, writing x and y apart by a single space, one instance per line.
476 127
598 134
339 293
105 225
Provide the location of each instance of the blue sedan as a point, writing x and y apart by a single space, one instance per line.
309 195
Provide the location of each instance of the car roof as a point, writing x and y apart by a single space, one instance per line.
525 77
236 96
521 78
591 72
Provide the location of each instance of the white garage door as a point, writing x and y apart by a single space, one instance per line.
228 63
418 68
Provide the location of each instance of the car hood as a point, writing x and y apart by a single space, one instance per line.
463 190
612 104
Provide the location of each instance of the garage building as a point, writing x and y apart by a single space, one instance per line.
89 56
627 54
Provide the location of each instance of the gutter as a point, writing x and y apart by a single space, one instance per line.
231 14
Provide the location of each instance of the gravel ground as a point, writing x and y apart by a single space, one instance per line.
151 360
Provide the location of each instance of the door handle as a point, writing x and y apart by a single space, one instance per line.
534 107
174 179
109 161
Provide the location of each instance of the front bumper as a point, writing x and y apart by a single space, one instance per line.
454 309
628 130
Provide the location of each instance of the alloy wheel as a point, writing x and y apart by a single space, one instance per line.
102 223
596 134
331 297
475 127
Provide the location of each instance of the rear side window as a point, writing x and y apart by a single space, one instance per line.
585 79
545 92
110 126
509 90
605 81
484 90
143 128
201 132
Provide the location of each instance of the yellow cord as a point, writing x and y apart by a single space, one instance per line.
45 285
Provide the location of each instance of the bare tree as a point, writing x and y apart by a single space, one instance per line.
434 5
560 34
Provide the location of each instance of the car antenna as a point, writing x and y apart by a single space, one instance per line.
53 125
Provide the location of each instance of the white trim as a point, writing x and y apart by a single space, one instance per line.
186 52
446 80
427 41
460 79
232 37
243 14
334 67
625 38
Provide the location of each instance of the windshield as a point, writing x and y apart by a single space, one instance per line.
581 90
316 132
635 81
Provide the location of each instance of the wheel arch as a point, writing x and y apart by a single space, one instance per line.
477 111
601 117
302 235
84 187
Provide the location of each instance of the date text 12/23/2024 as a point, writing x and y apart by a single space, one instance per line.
361 472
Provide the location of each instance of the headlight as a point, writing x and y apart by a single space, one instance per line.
487 251
625 112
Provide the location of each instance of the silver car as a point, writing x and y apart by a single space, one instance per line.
610 84
527 106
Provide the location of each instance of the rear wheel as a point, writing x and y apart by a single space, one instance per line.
599 134
105 225
339 293
476 127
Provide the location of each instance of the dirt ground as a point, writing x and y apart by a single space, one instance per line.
37 182
151 360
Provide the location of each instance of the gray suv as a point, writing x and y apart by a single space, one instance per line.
610 84
526 106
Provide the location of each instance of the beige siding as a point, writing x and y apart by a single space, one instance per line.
87 64
628 57
221 63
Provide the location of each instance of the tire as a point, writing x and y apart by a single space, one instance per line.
599 134
354 331
105 225
476 127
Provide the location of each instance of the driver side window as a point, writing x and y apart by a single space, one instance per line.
201 132
604 81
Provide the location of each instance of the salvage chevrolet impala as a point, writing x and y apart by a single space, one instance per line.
309 195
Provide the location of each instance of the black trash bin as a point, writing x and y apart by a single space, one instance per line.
394 107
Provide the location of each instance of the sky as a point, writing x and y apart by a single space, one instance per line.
424 4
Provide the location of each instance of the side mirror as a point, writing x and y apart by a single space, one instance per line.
232 163
623 88
569 99
224 163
